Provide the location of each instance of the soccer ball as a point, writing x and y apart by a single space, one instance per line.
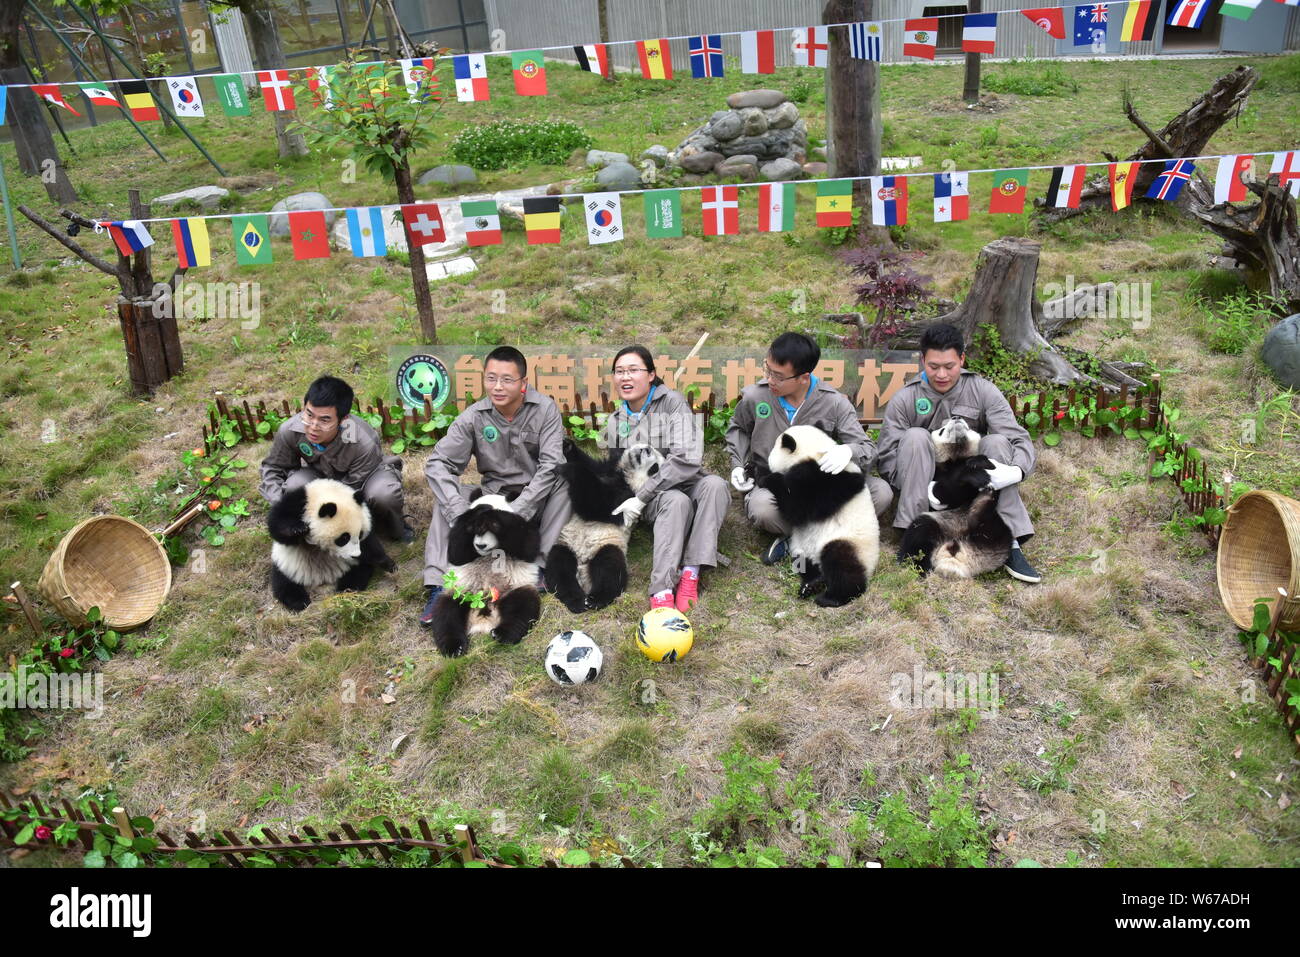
573 658
664 634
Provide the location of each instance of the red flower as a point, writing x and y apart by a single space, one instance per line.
1059 416
43 833
66 653
1114 408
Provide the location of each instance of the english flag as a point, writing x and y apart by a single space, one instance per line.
1287 167
1228 187
810 46
277 91
1050 19
758 51
721 210
920 37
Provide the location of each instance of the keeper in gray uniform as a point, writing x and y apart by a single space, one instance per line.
516 438
325 441
791 395
685 504
945 389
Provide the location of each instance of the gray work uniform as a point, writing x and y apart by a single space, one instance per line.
685 504
521 453
906 456
760 419
355 457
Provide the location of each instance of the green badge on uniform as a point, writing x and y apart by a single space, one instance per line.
625 428
923 405
490 433
763 410
306 449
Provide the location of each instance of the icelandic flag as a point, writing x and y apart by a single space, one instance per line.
1170 182
130 235
889 200
951 197
979 32
864 40
706 55
366 231
471 78
1189 13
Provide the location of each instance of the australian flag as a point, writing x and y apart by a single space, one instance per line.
1170 182
1089 19
706 55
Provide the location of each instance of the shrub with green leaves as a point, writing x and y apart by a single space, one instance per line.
507 143
1233 323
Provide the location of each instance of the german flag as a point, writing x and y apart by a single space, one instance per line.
1139 22
542 219
140 101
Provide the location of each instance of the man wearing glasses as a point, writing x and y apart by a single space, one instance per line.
516 438
324 441
792 395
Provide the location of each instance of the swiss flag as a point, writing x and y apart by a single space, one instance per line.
424 224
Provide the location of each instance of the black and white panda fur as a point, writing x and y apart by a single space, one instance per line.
587 566
969 537
321 535
834 538
491 549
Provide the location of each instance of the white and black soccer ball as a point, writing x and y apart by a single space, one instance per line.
573 658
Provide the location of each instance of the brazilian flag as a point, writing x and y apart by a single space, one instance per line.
252 240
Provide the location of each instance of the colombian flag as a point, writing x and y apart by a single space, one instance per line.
191 236
542 219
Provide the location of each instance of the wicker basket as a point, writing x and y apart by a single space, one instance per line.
1259 552
109 562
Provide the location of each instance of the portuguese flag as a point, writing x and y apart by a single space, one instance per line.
530 72
1009 189
542 219
482 222
835 202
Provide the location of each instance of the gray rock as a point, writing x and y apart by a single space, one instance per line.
737 166
1281 351
603 158
753 121
816 170
781 169
295 204
782 117
209 197
763 99
619 176
717 115
727 126
656 154
701 162
448 175
771 145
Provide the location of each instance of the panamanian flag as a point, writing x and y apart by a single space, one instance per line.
1170 182
471 78
889 200
129 234
366 231
706 55
951 197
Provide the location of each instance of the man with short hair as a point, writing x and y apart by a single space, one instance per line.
791 394
945 389
516 437
325 441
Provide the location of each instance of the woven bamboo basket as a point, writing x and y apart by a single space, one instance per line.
110 562
1259 551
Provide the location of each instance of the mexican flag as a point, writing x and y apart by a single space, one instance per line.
482 222
530 72
835 203
776 207
1009 189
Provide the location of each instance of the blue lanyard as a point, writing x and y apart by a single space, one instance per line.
791 411
635 416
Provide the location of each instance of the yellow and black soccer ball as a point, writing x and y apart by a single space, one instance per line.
664 634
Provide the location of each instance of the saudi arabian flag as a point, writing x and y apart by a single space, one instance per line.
482 222
233 94
1239 9
252 240
663 214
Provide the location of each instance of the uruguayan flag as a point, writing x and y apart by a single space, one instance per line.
864 40
366 231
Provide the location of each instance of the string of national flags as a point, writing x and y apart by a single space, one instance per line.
719 209
1089 23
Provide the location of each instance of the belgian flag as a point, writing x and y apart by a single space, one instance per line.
140 101
542 219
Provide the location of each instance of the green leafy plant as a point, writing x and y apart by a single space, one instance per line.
509 143
74 649
475 599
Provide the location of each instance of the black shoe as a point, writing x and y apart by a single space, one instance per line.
426 616
542 587
778 550
1018 567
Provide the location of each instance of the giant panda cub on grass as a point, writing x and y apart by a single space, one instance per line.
834 538
587 565
322 536
969 537
493 552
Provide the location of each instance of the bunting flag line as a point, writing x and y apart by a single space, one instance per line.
593 58
811 46
720 210
424 224
1169 183
252 236
663 214
1066 188
542 219
1139 21
529 69
482 222
706 56
656 59
951 197
1010 187
366 231
130 235
277 91
889 200
186 100
604 217
758 51
864 40
49 92
920 37
979 32
1121 184
776 207
1051 19
192 245
471 78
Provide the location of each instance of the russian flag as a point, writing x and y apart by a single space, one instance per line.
979 32
130 235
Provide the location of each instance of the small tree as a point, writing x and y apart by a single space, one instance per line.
370 113
887 283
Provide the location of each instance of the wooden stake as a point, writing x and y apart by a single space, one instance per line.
123 823
25 603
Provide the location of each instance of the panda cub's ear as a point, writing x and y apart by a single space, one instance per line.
358 497
787 441
327 510
475 495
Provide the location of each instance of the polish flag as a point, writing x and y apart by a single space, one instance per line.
758 51
1228 187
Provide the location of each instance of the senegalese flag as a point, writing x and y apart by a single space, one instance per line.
482 222
191 236
252 239
233 94
776 207
1122 176
663 214
1139 21
140 101
530 72
542 219
1239 9
835 202
656 59
1009 189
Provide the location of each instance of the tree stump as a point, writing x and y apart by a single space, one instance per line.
153 343
1263 238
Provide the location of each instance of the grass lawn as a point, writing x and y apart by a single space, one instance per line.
1121 735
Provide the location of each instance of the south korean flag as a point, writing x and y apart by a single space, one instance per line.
185 96
604 217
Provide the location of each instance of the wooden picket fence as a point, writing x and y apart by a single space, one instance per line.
1288 668
292 850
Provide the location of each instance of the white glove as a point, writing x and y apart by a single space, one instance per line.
1000 476
935 504
836 460
631 510
740 481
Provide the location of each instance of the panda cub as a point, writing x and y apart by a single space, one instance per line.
969 537
322 535
587 566
834 538
491 549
